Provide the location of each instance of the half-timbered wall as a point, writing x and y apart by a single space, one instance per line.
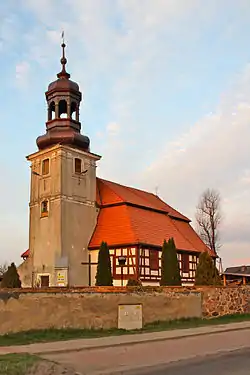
148 270
129 270
188 264
121 274
145 264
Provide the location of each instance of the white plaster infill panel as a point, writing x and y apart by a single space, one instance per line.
130 317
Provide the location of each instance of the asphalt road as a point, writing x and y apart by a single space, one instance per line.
169 354
232 363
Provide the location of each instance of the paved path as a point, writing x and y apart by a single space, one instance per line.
104 342
123 358
234 363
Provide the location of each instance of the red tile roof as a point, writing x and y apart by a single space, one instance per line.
109 193
130 216
25 254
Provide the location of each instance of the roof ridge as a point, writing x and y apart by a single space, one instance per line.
140 206
172 208
142 198
104 181
127 187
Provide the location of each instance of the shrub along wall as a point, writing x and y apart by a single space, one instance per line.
97 307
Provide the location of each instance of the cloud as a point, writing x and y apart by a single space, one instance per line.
22 74
113 128
214 153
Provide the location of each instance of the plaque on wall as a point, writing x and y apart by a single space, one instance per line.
130 317
61 278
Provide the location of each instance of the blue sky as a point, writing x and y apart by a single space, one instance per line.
166 87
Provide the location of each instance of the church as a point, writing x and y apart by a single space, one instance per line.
72 210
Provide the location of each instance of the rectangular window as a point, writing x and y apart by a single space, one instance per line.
78 165
154 260
45 167
185 262
44 208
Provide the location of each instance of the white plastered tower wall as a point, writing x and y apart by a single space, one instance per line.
63 210
58 241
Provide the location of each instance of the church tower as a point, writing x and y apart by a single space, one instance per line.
63 209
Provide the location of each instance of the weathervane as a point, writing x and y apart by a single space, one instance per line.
63 73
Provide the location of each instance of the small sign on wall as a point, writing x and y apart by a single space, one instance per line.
61 278
130 317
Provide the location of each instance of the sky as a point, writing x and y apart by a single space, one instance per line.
166 102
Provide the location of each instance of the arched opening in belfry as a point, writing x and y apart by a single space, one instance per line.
73 109
62 109
51 111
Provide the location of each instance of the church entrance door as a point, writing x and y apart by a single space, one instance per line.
44 281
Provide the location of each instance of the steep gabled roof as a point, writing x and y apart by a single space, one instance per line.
130 216
110 193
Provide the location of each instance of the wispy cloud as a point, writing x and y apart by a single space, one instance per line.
22 74
213 153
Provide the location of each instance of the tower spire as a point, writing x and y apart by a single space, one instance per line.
63 73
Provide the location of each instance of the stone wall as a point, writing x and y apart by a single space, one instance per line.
224 301
25 311
22 310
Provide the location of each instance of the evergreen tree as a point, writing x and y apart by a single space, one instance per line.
170 270
11 278
104 274
207 273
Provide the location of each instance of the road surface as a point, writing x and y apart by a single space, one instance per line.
161 353
233 363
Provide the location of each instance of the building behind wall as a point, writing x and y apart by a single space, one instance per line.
72 211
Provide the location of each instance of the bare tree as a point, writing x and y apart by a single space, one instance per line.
208 218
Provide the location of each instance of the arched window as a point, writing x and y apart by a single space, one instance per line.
45 167
44 208
63 109
73 108
51 111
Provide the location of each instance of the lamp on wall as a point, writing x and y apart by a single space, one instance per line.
122 262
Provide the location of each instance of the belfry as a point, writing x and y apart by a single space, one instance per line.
63 210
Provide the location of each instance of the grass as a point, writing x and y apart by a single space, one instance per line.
16 364
48 335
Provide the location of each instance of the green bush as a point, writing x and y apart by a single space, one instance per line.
206 272
11 278
134 282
